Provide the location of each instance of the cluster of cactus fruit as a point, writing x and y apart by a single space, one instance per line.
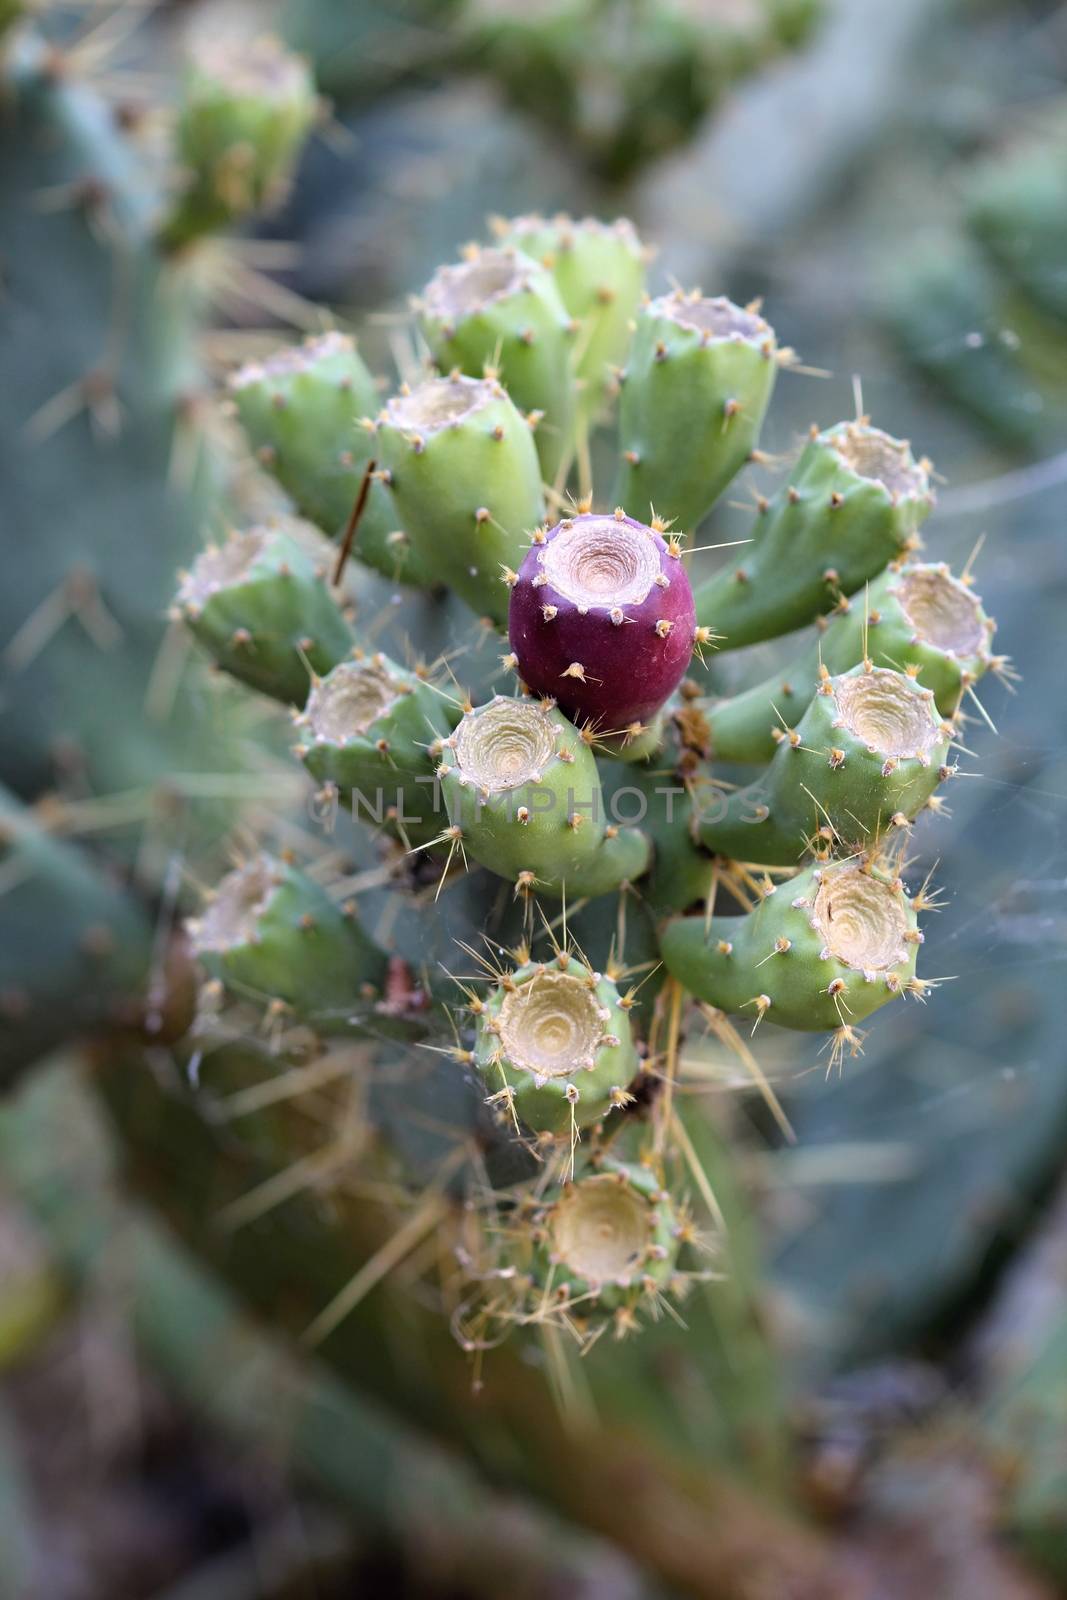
579 766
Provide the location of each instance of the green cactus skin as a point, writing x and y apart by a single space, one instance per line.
521 786
76 945
261 607
367 731
867 755
271 933
820 951
462 467
500 309
916 617
554 1043
599 268
610 1239
300 410
854 502
695 390
1017 208
247 107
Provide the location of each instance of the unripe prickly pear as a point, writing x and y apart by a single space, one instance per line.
554 1045
270 932
853 502
462 468
366 731
500 309
247 108
821 950
602 620
522 789
609 1239
697 384
300 410
599 268
261 606
914 617
867 755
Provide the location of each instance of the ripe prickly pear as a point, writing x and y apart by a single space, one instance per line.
602 620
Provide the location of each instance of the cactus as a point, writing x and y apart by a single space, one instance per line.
272 933
599 270
460 462
916 616
103 438
854 502
261 606
500 309
821 951
524 798
695 389
532 787
77 945
625 83
367 731
554 1046
299 410
246 110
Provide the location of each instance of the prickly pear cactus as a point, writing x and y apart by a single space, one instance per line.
109 479
537 886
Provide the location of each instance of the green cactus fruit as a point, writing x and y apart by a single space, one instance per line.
462 468
554 1045
609 1240
866 756
261 606
854 502
821 951
271 933
599 268
915 616
247 107
695 390
523 795
368 731
76 945
499 309
300 410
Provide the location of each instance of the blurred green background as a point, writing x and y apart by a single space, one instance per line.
892 180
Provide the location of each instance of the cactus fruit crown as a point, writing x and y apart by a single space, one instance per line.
351 699
504 744
604 626
490 275
869 453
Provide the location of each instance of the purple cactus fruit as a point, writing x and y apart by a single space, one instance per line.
602 620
